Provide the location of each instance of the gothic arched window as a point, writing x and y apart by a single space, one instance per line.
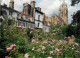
61 14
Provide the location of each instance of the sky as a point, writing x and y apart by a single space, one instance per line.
49 7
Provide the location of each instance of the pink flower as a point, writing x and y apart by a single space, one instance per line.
53 41
43 48
78 52
6 57
27 57
65 42
50 42
54 34
13 46
57 49
73 48
61 48
33 41
45 42
69 37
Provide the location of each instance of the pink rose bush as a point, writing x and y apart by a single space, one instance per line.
33 40
53 41
69 37
45 42
7 57
11 50
49 48
54 34
65 42
55 47
78 52
43 48
12 47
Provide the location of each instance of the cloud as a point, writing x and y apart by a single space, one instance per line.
49 6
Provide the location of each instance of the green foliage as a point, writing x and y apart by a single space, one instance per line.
57 48
11 35
52 28
23 40
76 22
20 56
30 34
69 30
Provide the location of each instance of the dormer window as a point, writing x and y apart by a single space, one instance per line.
19 14
62 14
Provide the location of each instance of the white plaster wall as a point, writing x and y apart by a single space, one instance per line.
30 25
14 14
7 11
41 16
40 20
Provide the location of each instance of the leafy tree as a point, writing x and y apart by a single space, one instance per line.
76 21
74 2
76 17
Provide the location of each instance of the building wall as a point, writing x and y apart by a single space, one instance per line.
27 8
11 4
5 12
21 21
30 25
38 21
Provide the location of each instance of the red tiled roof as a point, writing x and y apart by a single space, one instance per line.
23 13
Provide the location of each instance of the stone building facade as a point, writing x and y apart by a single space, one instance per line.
33 17
29 8
63 12
61 19
22 20
11 4
35 12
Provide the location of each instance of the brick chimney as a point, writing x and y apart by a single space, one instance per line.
11 4
33 3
